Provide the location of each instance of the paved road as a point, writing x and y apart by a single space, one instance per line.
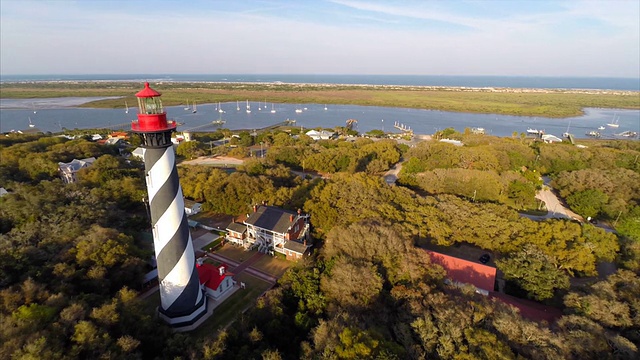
203 240
554 206
391 176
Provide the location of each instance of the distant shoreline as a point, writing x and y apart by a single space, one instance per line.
339 85
551 103
456 81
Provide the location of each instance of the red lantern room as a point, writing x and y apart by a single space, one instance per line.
151 115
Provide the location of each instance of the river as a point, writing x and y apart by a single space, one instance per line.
54 114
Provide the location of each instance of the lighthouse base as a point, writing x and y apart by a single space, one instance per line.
190 321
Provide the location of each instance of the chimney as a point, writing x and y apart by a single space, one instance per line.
304 242
291 218
299 212
255 208
221 269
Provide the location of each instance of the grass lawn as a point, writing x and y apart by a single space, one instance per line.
213 244
212 262
236 253
231 308
273 266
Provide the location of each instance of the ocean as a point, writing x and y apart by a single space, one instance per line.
597 83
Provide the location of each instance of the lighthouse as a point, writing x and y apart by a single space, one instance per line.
182 301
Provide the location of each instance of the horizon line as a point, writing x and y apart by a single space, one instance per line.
325 74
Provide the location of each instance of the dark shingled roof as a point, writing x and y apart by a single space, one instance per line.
237 227
295 246
271 218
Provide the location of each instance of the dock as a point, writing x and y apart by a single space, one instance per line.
402 127
215 126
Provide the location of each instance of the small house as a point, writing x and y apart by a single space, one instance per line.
452 142
191 207
139 153
113 141
320 135
177 140
68 170
119 135
215 280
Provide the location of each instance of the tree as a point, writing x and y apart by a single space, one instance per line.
375 133
612 303
352 286
521 193
189 149
588 203
535 272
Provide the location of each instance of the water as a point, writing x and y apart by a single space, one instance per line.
52 117
600 83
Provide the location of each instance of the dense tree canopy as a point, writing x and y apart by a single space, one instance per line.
71 257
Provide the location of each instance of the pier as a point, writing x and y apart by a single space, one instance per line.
402 127
213 126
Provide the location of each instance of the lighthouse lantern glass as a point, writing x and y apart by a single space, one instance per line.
150 105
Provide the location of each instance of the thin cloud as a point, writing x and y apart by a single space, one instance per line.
339 36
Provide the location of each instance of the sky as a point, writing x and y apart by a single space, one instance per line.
423 37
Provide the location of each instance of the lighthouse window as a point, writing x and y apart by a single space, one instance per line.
149 106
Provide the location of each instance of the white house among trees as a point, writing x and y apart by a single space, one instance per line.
68 170
270 228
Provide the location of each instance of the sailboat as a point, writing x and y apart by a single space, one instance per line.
325 106
237 105
195 108
273 111
126 110
31 124
219 121
34 108
601 127
248 107
186 108
220 108
614 123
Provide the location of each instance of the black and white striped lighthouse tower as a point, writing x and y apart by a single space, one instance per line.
182 300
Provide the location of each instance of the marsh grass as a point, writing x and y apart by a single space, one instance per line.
553 103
